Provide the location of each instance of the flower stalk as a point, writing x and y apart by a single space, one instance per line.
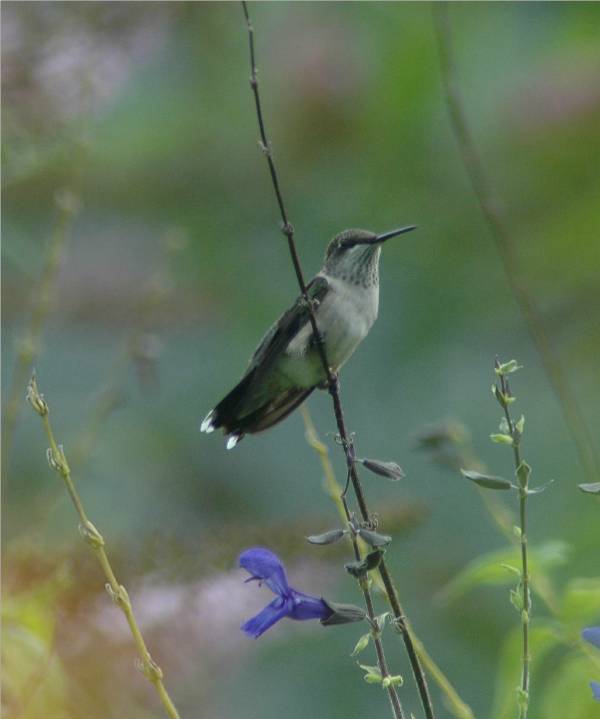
58 462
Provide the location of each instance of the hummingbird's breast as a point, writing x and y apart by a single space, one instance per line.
344 317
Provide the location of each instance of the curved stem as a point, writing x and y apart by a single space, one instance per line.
333 387
58 461
503 239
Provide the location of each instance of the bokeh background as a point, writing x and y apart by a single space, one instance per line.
139 116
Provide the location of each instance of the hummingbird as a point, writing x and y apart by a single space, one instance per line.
286 366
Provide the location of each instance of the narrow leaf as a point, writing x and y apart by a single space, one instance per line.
593 488
330 537
508 367
391 470
361 644
502 438
375 539
523 472
487 481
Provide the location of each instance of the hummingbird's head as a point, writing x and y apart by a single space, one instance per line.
353 255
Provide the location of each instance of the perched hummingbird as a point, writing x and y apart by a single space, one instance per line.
286 367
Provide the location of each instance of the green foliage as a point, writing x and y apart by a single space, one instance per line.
490 569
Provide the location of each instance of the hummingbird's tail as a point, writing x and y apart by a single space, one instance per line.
238 413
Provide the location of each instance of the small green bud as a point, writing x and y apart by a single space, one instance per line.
516 599
361 644
35 399
520 424
502 438
522 698
523 473
395 680
372 675
503 426
149 669
91 535
58 462
119 596
502 369
517 531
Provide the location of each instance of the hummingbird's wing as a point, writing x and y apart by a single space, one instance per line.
249 403
287 327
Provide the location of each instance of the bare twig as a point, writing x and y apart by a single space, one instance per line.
505 245
334 390
58 461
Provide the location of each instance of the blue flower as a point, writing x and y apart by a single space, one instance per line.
265 566
592 635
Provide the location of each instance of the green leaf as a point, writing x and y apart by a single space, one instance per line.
372 675
543 637
507 367
361 644
375 539
488 569
567 692
523 473
391 470
502 438
520 424
395 680
593 488
330 537
487 481
581 602
516 599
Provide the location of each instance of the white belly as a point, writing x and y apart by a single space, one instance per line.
344 318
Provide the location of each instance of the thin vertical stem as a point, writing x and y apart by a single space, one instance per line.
491 209
333 387
522 473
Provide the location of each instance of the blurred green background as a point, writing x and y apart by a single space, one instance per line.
174 267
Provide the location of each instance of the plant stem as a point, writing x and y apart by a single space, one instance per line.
118 593
506 248
333 387
456 705
526 593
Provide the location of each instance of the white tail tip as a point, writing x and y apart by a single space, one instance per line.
232 440
207 425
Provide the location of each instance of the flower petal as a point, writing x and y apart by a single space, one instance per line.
307 607
266 566
265 619
592 635
595 690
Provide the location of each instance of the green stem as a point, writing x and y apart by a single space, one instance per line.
457 706
118 593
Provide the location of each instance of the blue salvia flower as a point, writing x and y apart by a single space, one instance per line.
592 635
265 567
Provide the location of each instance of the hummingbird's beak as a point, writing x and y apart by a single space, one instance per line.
394 233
